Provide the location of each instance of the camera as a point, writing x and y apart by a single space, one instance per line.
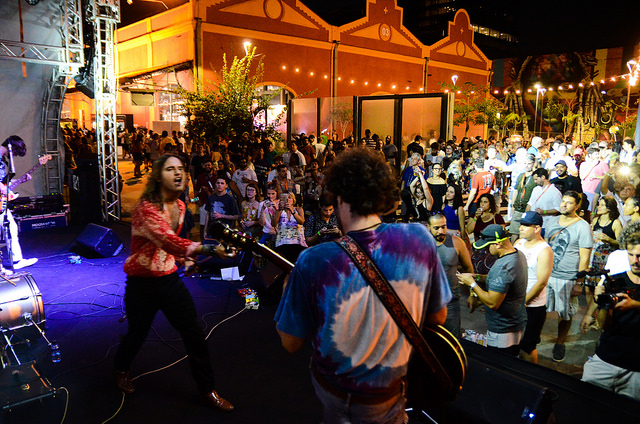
612 289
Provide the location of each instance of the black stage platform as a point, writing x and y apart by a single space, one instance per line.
83 308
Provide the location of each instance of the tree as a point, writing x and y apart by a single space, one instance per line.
474 106
232 102
342 113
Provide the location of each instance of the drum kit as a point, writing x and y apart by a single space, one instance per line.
21 315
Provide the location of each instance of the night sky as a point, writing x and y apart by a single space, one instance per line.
544 26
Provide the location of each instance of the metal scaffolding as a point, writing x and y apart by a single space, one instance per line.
68 59
105 14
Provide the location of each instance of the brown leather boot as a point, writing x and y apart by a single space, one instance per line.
217 402
123 381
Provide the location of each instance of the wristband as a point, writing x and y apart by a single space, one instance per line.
318 233
472 285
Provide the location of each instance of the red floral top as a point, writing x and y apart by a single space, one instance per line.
154 245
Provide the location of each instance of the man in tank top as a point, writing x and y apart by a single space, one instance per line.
453 253
539 262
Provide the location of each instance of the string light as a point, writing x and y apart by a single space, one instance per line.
284 67
311 73
633 75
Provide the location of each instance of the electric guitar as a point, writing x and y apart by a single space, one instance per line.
24 178
450 358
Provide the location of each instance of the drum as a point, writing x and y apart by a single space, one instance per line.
20 303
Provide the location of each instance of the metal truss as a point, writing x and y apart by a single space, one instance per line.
105 14
54 97
69 57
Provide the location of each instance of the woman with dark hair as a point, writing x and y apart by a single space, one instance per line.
266 210
453 210
486 214
437 186
631 209
421 199
153 283
606 230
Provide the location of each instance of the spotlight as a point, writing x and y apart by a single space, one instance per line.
32 2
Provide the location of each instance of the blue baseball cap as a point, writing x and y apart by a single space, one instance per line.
531 218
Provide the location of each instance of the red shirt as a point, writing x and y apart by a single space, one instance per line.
483 181
154 245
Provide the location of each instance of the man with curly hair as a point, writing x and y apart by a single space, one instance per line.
360 356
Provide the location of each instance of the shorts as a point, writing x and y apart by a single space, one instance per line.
559 298
536 315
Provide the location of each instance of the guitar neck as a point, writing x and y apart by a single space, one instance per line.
223 232
23 178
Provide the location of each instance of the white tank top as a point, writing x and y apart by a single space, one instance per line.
531 254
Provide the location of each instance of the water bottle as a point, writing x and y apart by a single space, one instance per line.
55 352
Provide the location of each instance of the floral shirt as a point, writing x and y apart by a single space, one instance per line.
155 247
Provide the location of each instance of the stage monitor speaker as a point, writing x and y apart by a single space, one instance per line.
492 395
101 240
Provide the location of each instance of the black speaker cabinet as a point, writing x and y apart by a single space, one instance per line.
101 240
27 397
491 395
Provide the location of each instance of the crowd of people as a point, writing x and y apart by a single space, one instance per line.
523 227
546 217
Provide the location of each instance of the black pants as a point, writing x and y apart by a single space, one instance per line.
143 298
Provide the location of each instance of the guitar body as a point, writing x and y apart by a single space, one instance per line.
424 389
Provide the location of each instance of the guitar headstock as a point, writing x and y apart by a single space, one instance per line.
222 232
44 159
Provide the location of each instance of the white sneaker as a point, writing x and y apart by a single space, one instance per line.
23 263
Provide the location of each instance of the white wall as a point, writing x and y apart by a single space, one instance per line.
21 98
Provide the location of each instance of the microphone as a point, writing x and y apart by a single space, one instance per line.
12 167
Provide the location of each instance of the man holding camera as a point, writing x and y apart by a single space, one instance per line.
615 365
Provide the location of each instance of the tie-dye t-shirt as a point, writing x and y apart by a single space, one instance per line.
357 345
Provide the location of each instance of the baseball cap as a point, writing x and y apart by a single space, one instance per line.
494 233
531 218
561 162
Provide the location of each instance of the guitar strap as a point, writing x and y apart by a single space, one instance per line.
394 306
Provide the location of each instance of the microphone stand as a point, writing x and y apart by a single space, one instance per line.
6 233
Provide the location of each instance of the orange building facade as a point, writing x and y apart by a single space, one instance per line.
374 55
